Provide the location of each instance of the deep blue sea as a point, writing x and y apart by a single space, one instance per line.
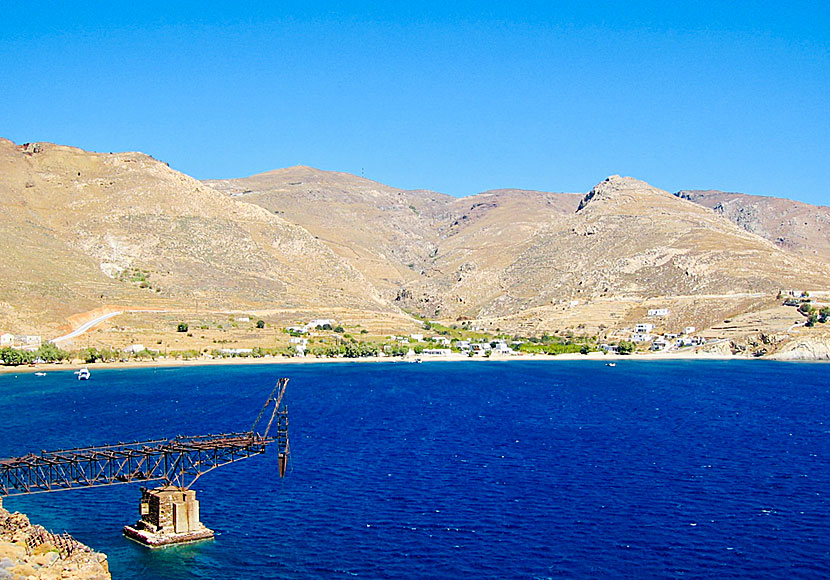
571 469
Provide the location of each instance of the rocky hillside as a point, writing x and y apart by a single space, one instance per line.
791 225
386 233
394 236
626 240
507 256
87 232
29 551
80 229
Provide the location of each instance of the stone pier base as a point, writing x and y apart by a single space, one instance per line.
169 515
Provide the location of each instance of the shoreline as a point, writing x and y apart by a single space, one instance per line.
45 367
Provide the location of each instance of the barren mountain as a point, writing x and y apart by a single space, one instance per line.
792 225
628 241
391 235
386 233
82 229
506 256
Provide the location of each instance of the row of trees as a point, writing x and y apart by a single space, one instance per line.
47 352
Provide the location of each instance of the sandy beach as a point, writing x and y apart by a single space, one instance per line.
455 357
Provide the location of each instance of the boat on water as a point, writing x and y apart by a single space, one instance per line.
83 374
610 364
40 374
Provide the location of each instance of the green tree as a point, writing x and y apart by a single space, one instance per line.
49 352
182 327
89 354
339 329
625 347
260 324
13 357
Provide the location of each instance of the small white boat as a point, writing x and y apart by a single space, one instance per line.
40 374
83 374
610 364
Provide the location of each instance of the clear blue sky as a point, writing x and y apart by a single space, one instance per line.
458 96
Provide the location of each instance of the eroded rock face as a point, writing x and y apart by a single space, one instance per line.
795 226
805 349
29 551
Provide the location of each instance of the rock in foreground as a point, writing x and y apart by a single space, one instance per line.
29 551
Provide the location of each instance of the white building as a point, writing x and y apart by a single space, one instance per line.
28 339
658 312
135 348
298 340
502 348
463 344
6 339
244 319
644 327
689 330
438 351
659 344
441 340
641 337
320 322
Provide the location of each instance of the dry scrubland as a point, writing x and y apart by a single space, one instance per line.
84 233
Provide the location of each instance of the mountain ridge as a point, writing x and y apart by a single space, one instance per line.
82 230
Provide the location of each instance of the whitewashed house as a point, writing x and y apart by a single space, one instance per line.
6 339
658 312
644 327
135 348
659 344
28 340
641 337
438 351
502 348
319 322
689 330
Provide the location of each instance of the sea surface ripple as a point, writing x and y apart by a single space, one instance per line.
560 469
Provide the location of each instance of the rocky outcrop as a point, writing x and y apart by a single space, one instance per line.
29 552
813 348
792 225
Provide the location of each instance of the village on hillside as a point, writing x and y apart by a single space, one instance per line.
326 338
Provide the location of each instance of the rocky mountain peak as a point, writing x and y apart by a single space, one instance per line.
613 186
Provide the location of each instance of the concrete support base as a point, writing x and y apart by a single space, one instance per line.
169 515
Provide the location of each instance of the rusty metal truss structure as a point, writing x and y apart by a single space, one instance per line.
179 461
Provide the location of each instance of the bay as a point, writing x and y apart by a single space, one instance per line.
554 469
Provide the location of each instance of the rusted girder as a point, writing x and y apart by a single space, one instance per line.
179 461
